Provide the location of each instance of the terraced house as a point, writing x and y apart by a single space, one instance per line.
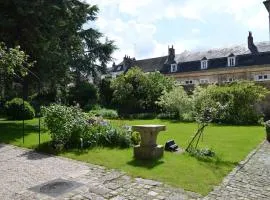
250 61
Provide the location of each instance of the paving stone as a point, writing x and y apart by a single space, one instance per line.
250 180
22 169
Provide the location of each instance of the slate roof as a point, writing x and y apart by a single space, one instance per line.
190 61
151 64
188 56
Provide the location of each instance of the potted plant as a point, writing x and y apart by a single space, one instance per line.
267 129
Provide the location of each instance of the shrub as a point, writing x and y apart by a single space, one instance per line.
267 126
17 110
238 102
84 93
66 124
105 113
137 92
140 116
106 92
108 136
176 103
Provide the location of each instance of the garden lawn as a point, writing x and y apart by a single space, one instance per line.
230 143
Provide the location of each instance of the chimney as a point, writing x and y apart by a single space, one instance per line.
251 46
267 6
171 51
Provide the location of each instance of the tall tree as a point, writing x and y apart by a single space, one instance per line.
54 34
14 63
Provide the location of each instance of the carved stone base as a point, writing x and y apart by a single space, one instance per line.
147 153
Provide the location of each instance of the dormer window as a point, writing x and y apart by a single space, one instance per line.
231 61
119 68
173 67
204 64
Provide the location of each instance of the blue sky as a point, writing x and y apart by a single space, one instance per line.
145 28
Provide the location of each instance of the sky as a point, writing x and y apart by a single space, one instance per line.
145 28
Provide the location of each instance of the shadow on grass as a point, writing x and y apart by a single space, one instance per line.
215 161
148 164
12 131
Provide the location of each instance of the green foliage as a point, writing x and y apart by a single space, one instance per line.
137 92
236 102
140 116
17 110
176 103
202 153
65 124
14 65
54 34
83 93
106 92
107 135
267 126
69 126
14 61
105 113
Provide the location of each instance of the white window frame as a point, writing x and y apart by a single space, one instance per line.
204 81
173 67
262 77
231 61
204 64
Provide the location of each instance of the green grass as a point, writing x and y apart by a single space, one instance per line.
230 143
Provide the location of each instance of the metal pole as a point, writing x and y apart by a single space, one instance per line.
23 116
39 116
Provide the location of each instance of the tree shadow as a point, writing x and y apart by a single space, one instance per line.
148 164
12 131
214 162
34 155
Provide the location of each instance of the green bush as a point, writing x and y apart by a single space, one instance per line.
237 100
267 126
85 94
176 103
140 116
17 110
108 136
136 92
66 124
105 113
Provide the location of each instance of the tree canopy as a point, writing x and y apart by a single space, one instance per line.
59 35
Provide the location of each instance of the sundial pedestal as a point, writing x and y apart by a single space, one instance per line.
148 149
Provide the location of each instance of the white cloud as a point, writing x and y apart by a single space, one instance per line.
195 31
259 20
132 24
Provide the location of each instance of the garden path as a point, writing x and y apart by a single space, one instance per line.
250 180
21 169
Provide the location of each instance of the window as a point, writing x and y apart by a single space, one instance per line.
263 77
231 61
118 68
204 64
173 67
189 82
204 81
